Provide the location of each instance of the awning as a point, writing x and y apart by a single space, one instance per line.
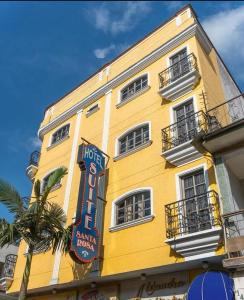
211 285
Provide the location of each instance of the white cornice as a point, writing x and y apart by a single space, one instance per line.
194 29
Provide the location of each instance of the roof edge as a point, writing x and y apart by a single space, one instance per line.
122 53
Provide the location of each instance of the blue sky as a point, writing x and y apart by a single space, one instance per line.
47 48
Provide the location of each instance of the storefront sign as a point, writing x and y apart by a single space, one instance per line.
103 293
158 287
85 239
151 287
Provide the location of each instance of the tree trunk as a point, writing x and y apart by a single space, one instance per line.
26 275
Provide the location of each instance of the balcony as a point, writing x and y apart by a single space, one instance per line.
193 225
8 272
178 147
179 78
234 239
225 125
33 165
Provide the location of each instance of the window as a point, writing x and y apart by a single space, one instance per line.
92 109
134 87
60 134
186 125
134 139
197 213
45 182
179 65
133 207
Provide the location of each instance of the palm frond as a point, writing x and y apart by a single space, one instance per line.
8 233
54 179
37 189
55 214
61 240
11 198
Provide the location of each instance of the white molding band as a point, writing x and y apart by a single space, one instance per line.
106 121
57 259
193 30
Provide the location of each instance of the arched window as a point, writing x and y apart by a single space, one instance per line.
133 207
60 134
134 138
134 87
45 182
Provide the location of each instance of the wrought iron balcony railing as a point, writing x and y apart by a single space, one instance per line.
9 266
34 158
178 70
234 233
195 214
184 130
226 113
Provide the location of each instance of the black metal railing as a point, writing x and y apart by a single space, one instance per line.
234 233
184 130
9 266
226 113
34 158
190 215
177 70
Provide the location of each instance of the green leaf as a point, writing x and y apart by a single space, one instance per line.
8 233
54 179
11 198
37 189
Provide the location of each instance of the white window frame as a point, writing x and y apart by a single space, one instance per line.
179 191
173 117
173 107
117 142
121 103
47 174
91 110
186 46
50 145
114 226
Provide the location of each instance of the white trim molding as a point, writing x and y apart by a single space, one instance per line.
193 30
114 226
58 254
173 107
50 145
127 131
189 171
136 94
192 245
106 121
185 152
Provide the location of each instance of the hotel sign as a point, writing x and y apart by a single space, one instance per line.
85 238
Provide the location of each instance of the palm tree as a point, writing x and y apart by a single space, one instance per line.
38 222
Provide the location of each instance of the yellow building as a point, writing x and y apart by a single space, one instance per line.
158 212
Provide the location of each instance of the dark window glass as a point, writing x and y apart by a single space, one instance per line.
45 181
134 87
197 208
134 139
133 207
60 134
179 65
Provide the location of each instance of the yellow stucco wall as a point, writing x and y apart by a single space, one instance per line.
141 246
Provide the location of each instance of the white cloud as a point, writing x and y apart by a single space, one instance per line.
117 49
103 52
116 18
226 31
35 142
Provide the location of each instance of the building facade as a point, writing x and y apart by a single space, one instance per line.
155 111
